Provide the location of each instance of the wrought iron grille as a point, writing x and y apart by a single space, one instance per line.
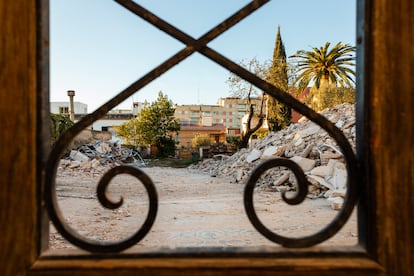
199 45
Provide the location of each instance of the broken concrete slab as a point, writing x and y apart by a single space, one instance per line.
78 156
322 171
310 131
336 202
270 151
305 163
253 155
320 181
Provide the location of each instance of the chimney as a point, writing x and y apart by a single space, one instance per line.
71 94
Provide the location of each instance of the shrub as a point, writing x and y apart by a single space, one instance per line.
201 141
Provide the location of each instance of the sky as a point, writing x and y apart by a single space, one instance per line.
98 48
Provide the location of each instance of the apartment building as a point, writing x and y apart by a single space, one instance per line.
228 112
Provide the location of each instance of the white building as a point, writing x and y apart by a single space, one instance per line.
63 108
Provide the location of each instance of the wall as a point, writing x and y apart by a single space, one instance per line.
80 108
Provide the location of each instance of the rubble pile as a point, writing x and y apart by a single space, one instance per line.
305 143
97 158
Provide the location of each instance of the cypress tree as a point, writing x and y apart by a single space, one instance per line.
278 114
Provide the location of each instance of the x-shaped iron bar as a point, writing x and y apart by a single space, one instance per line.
200 45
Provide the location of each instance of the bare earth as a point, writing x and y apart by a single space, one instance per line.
195 210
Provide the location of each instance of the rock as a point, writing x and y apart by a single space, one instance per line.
336 202
103 148
78 156
305 163
321 181
95 163
307 150
269 151
337 193
86 165
310 131
281 180
298 142
253 155
239 175
327 156
74 164
322 171
339 124
339 178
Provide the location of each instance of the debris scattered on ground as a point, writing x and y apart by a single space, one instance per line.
305 143
99 157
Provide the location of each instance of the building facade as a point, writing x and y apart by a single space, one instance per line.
228 112
63 108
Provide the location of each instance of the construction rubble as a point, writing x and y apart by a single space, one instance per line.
305 143
94 159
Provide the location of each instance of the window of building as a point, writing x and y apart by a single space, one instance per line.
63 110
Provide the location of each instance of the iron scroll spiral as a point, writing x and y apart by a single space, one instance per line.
197 45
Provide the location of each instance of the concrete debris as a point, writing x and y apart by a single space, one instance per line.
93 160
336 202
78 156
269 151
253 155
305 163
305 143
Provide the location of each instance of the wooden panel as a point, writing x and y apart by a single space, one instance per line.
392 132
17 139
211 266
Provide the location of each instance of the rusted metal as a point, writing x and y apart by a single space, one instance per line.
200 45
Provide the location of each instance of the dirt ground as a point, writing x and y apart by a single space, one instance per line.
195 210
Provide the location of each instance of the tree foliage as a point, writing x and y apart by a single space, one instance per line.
337 95
278 114
58 124
154 125
328 69
244 89
201 141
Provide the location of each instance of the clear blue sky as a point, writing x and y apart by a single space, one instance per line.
98 47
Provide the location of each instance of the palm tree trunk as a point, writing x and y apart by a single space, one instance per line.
321 92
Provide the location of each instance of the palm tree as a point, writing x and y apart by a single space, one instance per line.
325 67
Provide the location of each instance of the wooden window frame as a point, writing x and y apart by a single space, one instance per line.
385 127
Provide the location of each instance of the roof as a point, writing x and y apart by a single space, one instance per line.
216 127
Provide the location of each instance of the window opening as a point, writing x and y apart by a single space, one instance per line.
299 179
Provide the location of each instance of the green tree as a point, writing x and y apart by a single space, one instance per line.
201 141
278 114
154 125
327 69
128 132
59 124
